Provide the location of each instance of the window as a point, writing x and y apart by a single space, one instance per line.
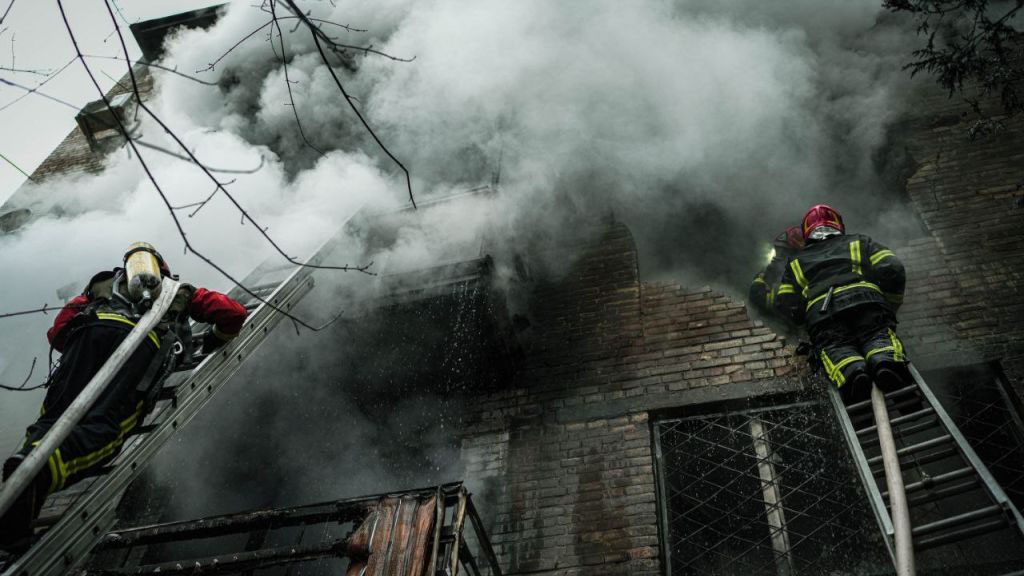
979 400
764 490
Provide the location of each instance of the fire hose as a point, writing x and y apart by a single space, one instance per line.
37 458
903 545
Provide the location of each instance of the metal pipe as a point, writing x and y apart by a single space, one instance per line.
26 472
904 544
771 491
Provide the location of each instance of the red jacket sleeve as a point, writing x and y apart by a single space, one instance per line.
57 335
226 314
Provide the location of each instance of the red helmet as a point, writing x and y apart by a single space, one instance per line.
791 239
822 215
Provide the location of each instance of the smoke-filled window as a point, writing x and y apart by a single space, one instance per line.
979 401
762 491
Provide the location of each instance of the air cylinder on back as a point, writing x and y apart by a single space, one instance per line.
143 270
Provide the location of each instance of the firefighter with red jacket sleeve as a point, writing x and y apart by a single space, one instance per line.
86 332
766 282
847 288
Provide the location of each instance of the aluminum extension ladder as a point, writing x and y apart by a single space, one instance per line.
67 544
921 414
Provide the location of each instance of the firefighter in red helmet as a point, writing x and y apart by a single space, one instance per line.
766 282
846 288
86 332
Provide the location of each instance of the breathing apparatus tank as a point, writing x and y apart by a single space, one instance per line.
142 267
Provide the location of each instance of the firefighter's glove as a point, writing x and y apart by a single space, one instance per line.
803 349
211 343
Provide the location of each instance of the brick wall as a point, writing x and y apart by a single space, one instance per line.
562 459
74 155
964 301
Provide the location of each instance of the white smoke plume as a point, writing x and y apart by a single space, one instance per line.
706 126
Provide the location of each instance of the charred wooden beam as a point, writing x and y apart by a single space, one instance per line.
232 524
237 562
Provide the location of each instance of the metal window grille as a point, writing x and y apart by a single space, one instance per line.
978 400
762 491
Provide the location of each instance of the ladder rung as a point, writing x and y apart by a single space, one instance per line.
928 483
965 518
947 492
961 534
915 448
897 421
865 403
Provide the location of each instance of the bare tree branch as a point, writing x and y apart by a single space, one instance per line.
156 185
38 93
22 388
44 309
317 34
229 50
287 80
157 66
7 11
40 85
16 167
24 71
171 153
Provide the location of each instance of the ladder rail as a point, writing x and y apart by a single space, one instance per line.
68 542
968 453
864 471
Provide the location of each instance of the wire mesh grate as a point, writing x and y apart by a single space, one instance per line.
980 406
767 491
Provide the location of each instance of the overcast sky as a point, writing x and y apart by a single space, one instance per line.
33 37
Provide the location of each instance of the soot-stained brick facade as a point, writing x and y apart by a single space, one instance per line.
562 457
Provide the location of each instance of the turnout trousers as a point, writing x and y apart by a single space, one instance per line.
97 438
853 345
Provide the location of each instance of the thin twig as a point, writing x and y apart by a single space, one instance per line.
245 214
38 93
6 12
149 174
16 167
22 388
317 33
24 71
157 66
287 80
192 159
236 45
44 309
40 85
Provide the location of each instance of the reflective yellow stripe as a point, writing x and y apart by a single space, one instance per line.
835 371
874 351
798 272
855 257
770 298
123 320
785 289
88 460
880 255
868 285
897 345
759 281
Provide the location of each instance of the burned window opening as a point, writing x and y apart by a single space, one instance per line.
434 530
979 399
